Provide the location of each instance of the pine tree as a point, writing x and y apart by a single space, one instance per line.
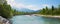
52 7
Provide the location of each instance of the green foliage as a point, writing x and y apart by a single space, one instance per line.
5 11
52 11
52 7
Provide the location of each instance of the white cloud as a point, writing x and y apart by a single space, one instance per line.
19 5
10 1
13 3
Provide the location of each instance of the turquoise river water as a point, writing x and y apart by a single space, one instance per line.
31 19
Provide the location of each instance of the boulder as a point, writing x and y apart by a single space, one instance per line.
4 20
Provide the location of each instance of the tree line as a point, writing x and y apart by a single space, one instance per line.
50 11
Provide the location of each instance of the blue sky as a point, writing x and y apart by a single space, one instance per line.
33 4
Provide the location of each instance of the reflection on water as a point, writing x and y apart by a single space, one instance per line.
26 19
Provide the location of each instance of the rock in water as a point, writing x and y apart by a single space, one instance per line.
4 21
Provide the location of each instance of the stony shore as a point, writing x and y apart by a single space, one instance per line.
4 20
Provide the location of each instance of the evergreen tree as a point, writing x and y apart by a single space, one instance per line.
46 8
52 7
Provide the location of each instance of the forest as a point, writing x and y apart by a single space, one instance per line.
50 11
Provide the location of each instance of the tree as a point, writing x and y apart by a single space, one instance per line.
52 7
46 8
42 11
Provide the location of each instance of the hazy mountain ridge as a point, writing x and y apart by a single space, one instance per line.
24 10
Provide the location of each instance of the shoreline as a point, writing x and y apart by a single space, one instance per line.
49 16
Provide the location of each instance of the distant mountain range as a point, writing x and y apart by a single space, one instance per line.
24 10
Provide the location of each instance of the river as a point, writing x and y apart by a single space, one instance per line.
31 19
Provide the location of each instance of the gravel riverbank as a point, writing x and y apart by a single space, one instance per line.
50 16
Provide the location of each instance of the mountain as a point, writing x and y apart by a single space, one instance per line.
24 10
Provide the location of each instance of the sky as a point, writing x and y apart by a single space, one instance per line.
33 4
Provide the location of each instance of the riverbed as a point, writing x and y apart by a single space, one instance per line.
31 19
